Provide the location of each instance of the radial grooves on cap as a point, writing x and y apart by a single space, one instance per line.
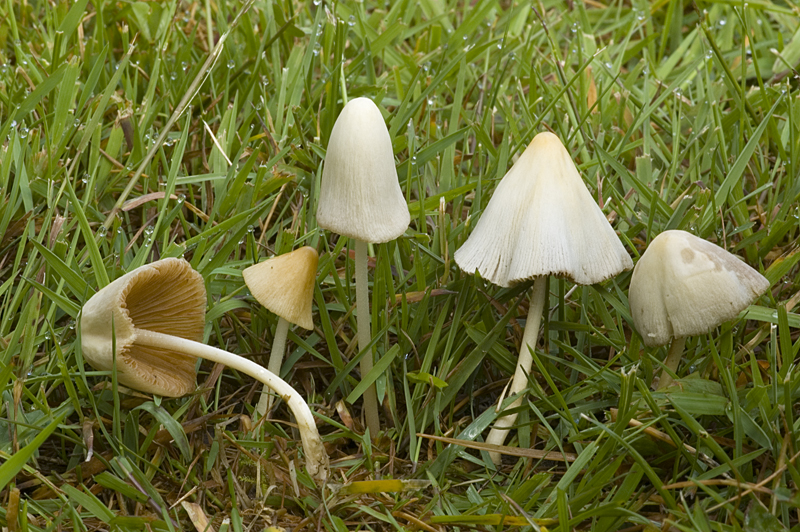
541 220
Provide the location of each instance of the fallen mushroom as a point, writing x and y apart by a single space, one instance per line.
540 221
360 198
154 316
684 286
284 285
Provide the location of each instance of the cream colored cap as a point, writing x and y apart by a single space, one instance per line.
360 196
166 296
684 285
285 284
541 220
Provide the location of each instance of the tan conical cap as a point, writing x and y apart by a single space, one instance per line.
541 220
285 284
684 285
167 296
360 196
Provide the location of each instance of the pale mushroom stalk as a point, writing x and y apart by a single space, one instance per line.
673 359
275 361
497 435
147 326
316 457
285 285
365 336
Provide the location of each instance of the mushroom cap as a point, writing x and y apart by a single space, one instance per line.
541 220
360 195
684 285
166 296
285 284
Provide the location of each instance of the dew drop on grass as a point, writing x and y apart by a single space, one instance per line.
351 21
23 132
181 198
317 2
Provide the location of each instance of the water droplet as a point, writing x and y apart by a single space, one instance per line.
101 231
184 66
76 123
414 160
231 64
149 230
722 21
13 123
317 2
351 21
47 335
173 75
181 198
85 178
23 132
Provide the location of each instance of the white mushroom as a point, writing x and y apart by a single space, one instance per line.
284 285
683 286
360 198
540 221
154 317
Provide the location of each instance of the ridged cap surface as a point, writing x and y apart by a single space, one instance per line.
541 220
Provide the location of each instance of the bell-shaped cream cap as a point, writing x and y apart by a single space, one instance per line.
541 220
285 284
684 285
360 196
167 296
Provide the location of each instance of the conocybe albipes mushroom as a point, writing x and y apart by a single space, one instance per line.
540 221
154 316
683 286
360 198
284 285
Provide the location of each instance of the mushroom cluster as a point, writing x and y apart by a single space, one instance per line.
541 221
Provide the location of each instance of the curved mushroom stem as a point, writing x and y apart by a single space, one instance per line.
497 435
673 359
316 456
364 337
275 361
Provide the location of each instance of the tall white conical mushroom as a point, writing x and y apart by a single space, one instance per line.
683 286
284 285
540 221
154 316
360 198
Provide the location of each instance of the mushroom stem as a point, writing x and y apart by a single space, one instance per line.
316 456
673 359
275 361
365 336
497 435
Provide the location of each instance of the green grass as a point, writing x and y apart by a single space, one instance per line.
133 131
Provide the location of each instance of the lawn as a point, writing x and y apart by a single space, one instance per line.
136 131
